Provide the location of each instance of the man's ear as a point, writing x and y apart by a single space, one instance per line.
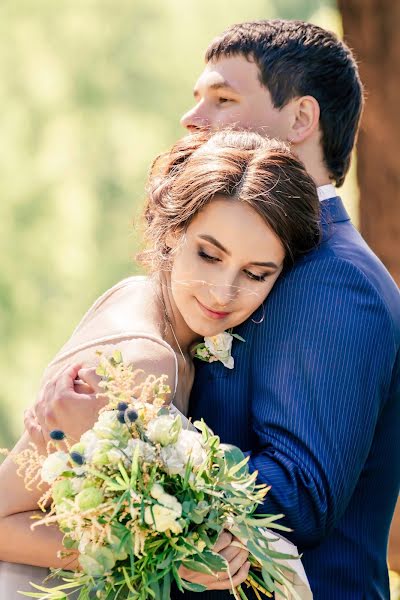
305 121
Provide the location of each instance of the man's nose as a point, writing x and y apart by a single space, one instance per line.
195 119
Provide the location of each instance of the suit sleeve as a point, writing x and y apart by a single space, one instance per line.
319 377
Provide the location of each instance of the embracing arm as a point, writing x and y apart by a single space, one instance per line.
17 542
328 348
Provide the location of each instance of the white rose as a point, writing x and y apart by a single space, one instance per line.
164 430
220 346
54 465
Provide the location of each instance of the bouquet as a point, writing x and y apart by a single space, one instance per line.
139 495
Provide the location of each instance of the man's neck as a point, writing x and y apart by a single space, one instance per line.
310 154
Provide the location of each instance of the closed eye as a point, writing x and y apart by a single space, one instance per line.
254 277
207 257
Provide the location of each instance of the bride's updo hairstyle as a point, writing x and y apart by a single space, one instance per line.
240 166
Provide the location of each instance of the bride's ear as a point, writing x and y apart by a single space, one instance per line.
305 122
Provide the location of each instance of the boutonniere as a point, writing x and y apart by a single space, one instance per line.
217 347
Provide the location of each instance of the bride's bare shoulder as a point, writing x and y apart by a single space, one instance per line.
126 317
130 305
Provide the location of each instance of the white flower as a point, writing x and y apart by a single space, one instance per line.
77 484
84 541
188 447
163 518
107 424
171 502
220 347
146 451
164 430
115 456
90 443
54 465
156 491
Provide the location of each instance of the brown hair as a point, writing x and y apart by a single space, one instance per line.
296 59
240 165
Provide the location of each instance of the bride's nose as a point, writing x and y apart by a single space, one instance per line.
222 294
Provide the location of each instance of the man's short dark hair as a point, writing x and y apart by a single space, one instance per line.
301 59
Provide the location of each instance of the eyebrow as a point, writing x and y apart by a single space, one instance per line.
223 85
212 240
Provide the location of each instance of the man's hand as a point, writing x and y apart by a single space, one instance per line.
236 558
66 403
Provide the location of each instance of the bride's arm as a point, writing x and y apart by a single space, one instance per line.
18 543
39 547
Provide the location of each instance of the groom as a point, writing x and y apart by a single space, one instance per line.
314 398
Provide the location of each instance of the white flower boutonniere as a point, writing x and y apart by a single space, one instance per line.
217 347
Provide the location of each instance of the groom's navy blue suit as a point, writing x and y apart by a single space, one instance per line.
315 397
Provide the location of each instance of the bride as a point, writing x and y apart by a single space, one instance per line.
226 214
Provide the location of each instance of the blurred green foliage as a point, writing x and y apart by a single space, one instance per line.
90 93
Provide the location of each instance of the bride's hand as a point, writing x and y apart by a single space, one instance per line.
67 404
236 558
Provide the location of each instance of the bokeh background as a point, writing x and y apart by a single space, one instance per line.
90 92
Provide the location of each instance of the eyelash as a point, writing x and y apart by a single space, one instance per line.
213 259
224 100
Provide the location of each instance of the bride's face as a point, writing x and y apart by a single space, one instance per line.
224 266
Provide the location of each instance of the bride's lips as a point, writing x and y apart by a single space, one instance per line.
212 314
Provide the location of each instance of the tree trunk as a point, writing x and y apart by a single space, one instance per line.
371 29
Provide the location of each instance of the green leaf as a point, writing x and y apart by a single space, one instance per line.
232 455
213 560
195 565
192 587
238 337
123 472
117 357
127 580
166 587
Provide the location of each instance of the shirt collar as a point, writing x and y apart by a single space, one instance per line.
326 191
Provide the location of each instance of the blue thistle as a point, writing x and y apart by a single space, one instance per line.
121 416
77 458
131 415
57 434
122 406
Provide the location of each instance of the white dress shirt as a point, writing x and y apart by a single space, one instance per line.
326 191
